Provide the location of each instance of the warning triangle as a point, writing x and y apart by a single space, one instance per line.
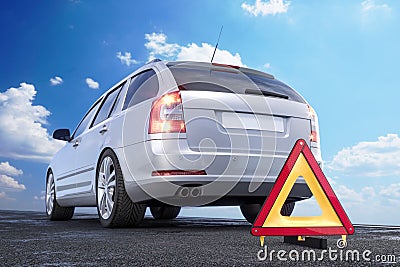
332 221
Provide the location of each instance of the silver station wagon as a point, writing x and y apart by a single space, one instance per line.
176 134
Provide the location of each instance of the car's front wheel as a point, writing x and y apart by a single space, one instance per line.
250 211
114 206
53 210
165 213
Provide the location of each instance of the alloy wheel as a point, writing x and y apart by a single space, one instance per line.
50 191
106 187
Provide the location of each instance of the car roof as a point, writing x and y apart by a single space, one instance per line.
194 64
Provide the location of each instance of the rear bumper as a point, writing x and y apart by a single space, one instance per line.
232 178
187 195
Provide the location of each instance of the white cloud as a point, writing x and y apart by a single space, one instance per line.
272 7
6 168
22 135
348 195
373 159
368 192
159 47
8 182
392 191
371 5
370 203
92 83
4 196
267 65
56 81
204 53
361 205
41 197
126 58
366 206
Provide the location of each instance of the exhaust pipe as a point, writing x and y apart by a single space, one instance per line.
190 191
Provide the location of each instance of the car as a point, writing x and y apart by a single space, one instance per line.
181 133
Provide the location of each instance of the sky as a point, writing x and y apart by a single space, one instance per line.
58 57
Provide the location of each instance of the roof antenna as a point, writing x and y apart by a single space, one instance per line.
216 46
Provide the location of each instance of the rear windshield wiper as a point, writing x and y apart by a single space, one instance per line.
266 93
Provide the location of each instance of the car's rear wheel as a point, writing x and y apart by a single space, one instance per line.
114 206
165 213
250 211
53 210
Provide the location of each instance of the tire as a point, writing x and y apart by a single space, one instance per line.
165 213
114 207
287 209
53 210
250 211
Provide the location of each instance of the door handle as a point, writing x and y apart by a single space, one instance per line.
104 129
75 144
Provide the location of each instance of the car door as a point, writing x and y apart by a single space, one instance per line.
90 144
65 171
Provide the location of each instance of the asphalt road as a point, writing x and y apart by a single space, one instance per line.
29 239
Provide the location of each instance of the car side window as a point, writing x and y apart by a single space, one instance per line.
118 100
143 86
85 121
107 106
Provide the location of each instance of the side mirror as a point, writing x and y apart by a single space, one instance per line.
62 134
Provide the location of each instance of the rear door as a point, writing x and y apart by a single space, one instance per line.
228 111
240 123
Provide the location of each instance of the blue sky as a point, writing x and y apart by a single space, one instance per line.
342 56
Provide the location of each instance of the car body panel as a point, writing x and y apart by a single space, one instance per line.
241 141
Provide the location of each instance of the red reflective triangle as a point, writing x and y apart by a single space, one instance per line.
259 230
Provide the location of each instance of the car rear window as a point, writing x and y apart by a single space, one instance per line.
230 80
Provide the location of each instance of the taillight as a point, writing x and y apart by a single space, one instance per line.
166 114
311 112
314 136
